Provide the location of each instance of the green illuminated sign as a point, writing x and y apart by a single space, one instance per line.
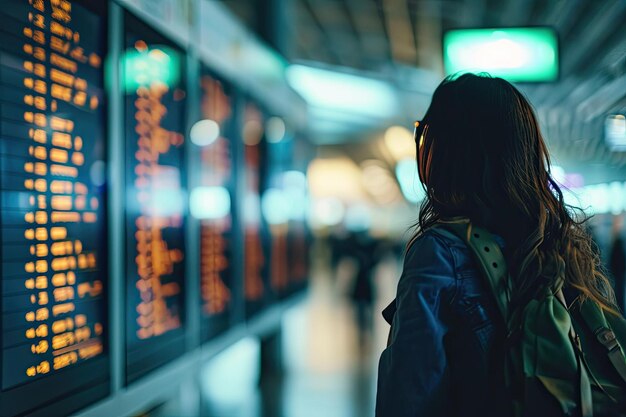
143 68
516 54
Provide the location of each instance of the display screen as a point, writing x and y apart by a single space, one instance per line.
615 132
279 271
256 260
298 255
528 54
275 207
212 203
52 170
283 204
155 202
296 187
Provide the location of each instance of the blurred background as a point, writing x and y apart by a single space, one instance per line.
205 203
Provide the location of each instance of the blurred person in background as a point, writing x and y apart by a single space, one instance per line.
364 250
617 260
483 161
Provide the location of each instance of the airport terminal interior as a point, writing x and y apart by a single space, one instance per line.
205 203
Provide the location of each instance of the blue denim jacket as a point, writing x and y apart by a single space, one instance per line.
445 352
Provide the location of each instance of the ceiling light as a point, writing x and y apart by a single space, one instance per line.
343 92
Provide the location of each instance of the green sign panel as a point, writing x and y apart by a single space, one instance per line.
146 67
516 54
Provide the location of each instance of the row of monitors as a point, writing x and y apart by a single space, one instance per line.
54 292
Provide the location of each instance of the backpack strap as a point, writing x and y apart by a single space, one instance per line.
489 256
584 386
597 323
492 263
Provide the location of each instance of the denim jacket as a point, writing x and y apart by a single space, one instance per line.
445 351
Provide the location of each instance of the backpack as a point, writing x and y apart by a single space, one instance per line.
560 361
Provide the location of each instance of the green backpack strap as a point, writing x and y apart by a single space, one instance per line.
597 322
548 351
489 256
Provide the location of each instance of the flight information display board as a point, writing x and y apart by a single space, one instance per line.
53 219
299 238
276 214
283 205
298 255
153 82
257 289
215 203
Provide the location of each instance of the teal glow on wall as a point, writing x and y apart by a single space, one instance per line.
515 54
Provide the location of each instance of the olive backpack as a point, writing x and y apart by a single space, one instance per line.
561 360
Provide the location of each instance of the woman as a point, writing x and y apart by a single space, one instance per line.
481 157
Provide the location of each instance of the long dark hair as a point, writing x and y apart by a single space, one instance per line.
482 156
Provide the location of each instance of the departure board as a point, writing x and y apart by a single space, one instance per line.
213 135
298 255
299 237
53 219
153 81
279 258
257 290
284 207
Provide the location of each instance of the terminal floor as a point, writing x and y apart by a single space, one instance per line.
329 364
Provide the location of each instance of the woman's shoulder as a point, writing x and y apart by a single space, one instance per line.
439 235
438 247
431 248
434 238
430 266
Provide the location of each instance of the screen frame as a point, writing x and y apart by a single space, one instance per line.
256 307
212 326
169 346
